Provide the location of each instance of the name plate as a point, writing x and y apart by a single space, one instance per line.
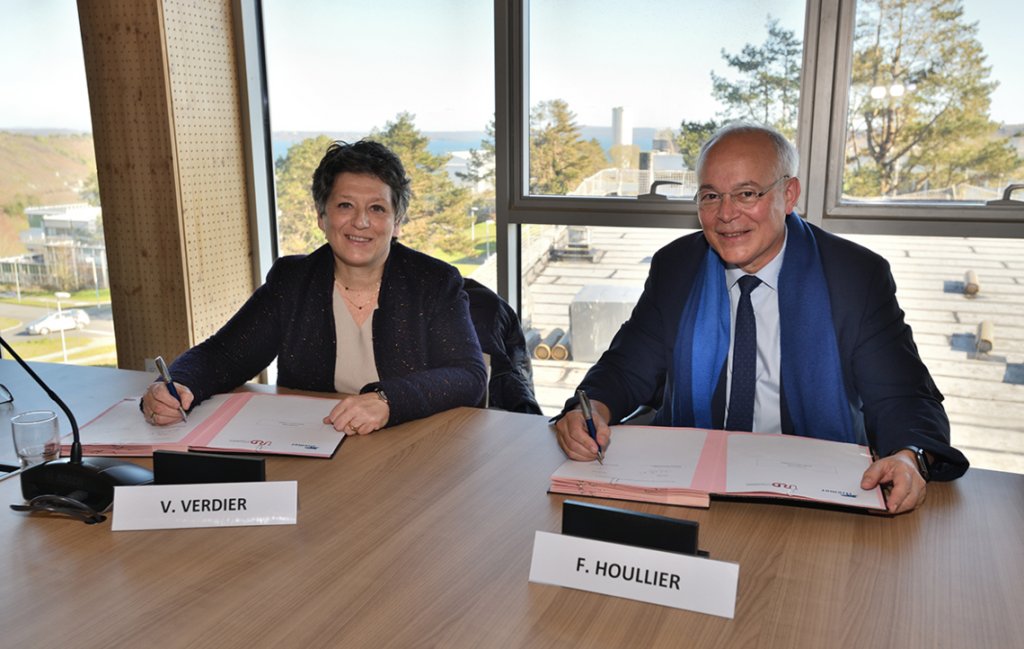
676 580
230 504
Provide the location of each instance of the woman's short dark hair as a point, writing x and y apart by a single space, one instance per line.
362 157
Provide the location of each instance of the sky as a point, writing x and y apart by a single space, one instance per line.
346 66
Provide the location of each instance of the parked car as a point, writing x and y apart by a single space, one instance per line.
68 319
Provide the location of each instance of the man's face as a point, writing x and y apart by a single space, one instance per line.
748 236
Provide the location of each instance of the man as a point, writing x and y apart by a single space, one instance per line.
763 322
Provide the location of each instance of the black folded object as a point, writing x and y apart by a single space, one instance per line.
176 467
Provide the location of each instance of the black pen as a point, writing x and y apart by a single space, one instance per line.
588 416
165 376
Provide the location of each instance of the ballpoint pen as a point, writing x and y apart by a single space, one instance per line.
588 416
165 376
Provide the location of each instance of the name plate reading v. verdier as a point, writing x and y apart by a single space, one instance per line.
229 504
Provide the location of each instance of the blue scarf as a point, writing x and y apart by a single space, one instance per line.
811 372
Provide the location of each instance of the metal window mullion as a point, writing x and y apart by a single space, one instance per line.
510 65
256 123
820 44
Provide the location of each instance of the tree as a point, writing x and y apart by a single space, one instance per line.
768 90
90 191
480 169
297 229
919 101
692 136
624 156
438 214
480 172
559 158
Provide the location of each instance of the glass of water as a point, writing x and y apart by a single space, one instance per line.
36 436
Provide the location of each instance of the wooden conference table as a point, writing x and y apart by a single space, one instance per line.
421 536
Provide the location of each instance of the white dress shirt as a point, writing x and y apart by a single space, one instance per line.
765 301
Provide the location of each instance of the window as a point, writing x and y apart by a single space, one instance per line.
928 117
52 253
418 77
627 94
962 297
568 81
620 101
934 103
579 285
595 100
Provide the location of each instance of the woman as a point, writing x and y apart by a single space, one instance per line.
363 315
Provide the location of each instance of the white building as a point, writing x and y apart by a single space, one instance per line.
65 249
622 129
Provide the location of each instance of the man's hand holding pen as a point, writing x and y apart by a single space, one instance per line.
574 436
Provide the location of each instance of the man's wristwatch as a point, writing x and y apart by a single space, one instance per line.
379 391
920 459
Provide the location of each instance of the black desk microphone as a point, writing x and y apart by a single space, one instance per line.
80 488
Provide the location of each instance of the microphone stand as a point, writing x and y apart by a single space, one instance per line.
74 485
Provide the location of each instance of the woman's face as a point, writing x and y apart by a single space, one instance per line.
359 220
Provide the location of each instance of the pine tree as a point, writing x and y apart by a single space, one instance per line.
559 158
297 229
480 174
439 210
768 91
481 161
919 101
692 136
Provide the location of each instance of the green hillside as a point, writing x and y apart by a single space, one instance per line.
39 169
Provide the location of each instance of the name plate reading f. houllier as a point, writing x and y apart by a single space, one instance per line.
676 580
230 504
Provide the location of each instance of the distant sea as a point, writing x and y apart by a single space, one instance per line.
445 142
449 141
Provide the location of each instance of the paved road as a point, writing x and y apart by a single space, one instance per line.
99 331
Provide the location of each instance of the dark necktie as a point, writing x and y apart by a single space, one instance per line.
744 360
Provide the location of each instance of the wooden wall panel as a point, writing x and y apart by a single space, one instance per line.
210 157
164 97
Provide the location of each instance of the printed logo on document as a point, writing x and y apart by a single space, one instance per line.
840 492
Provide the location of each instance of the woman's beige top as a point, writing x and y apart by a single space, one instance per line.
354 364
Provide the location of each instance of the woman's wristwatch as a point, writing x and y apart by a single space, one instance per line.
377 389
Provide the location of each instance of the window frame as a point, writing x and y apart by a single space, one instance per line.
821 132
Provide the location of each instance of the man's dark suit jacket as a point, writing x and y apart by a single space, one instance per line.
881 368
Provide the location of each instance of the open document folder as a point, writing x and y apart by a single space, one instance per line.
243 422
685 466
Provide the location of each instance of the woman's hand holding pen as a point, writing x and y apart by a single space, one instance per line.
574 437
160 408
359 414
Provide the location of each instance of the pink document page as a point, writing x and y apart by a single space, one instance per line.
685 466
242 422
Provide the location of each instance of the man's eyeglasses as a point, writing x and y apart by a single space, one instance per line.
5 395
708 199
